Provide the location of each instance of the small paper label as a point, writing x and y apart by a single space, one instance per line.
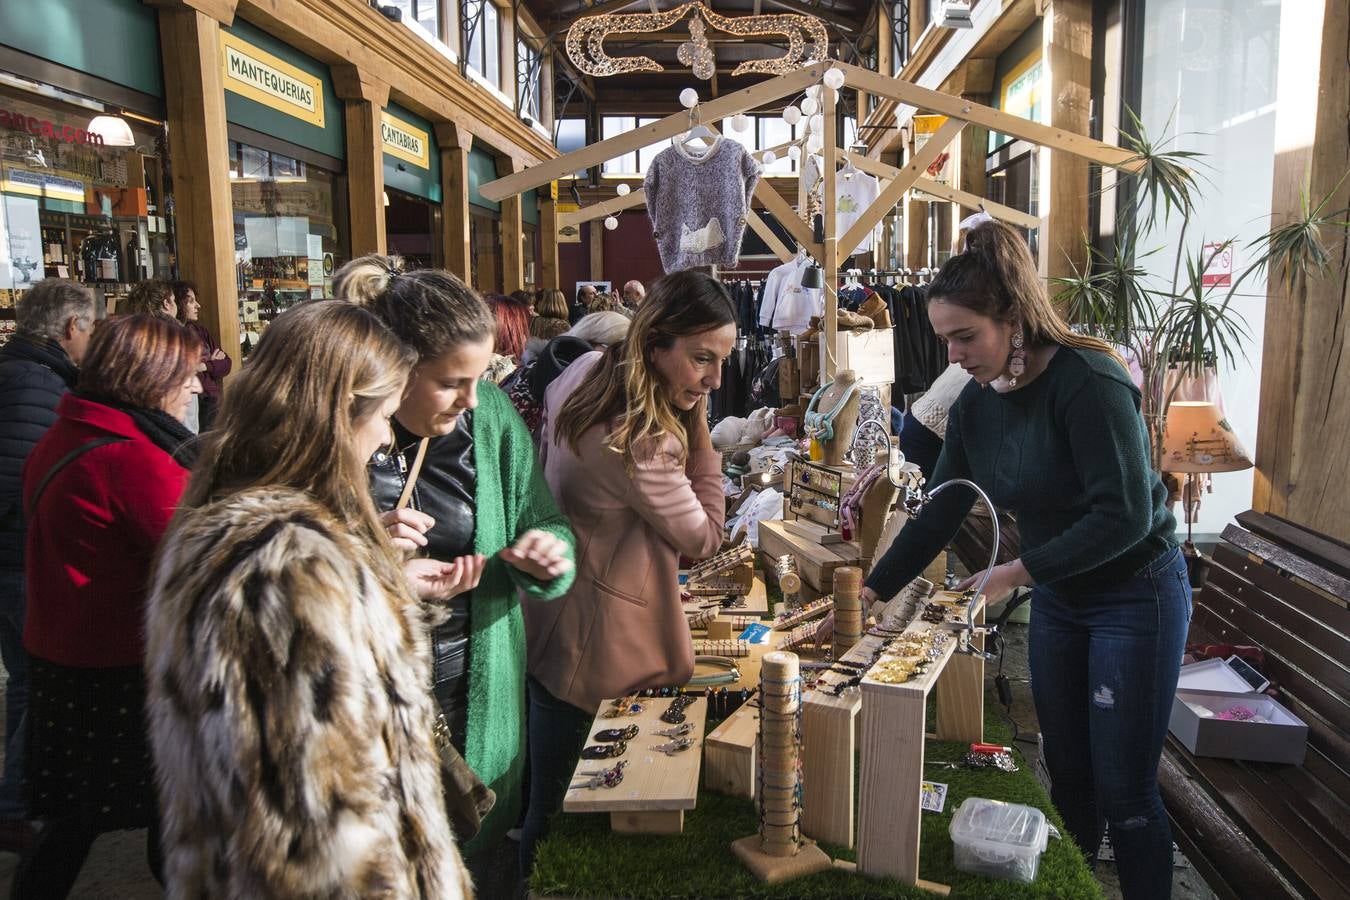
932 796
755 633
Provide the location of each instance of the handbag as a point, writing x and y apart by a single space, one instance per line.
467 799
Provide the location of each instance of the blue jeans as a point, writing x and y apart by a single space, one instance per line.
15 658
1103 674
557 733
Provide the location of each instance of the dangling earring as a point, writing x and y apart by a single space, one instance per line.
1017 360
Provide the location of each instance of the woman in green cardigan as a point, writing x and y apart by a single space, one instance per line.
478 499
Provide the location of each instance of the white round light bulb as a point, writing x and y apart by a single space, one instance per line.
740 122
689 98
814 143
792 115
794 152
809 106
624 190
813 92
817 125
611 223
834 78
769 157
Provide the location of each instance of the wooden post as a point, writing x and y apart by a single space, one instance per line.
548 241
455 142
829 206
365 98
513 232
194 97
597 232
916 234
1305 392
1067 52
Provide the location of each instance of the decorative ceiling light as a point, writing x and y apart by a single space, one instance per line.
740 122
113 129
624 189
815 143
834 79
611 223
792 115
769 157
809 106
794 152
806 38
689 98
816 124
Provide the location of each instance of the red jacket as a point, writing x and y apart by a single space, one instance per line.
93 536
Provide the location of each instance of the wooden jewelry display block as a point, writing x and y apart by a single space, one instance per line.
815 563
657 788
729 753
808 484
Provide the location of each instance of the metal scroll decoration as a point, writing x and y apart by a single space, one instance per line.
807 40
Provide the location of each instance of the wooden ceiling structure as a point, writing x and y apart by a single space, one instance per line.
849 24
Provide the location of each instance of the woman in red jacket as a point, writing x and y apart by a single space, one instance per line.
627 452
99 490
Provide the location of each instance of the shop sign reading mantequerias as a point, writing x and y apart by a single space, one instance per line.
263 78
405 141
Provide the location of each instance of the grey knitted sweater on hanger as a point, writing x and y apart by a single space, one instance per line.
698 203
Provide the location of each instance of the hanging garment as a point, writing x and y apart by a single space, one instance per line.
698 201
788 305
854 192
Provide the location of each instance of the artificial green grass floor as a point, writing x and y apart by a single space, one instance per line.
583 858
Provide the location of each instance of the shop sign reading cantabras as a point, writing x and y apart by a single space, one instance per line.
405 141
265 79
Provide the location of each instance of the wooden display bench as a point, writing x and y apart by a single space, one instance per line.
815 563
729 753
756 601
830 735
657 788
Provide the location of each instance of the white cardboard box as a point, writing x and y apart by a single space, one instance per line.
1211 685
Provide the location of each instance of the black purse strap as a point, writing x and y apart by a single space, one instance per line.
61 464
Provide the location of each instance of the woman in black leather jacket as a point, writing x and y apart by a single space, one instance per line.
480 501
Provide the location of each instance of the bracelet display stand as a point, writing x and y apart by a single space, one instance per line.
848 615
657 788
730 573
778 853
789 582
830 723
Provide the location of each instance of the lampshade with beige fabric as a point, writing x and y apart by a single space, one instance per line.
1197 438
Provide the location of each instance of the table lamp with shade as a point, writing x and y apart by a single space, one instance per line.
1197 440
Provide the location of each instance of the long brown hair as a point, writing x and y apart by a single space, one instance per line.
289 418
996 277
552 303
624 386
138 360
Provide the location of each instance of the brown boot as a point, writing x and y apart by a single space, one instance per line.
875 309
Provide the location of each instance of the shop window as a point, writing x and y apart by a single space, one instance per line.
1017 184
529 63
289 234
636 162
482 27
485 239
568 135
530 256
899 13
74 206
426 13
412 230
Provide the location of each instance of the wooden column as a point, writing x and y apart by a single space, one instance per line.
548 241
1305 390
364 98
1067 89
916 234
513 232
829 205
194 97
597 232
455 142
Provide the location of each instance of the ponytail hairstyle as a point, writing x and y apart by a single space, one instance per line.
625 388
996 277
430 310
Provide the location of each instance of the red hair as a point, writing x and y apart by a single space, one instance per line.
139 360
513 325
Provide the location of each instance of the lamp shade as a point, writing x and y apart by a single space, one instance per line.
1197 438
813 277
113 129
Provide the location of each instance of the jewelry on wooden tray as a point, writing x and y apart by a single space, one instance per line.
674 714
624 706
610 735
676 731
730 676
605 751
675 746
604 778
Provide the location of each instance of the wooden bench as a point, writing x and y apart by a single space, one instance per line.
1257 829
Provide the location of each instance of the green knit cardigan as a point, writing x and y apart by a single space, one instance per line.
511 499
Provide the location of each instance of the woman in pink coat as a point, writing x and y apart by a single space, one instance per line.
627 452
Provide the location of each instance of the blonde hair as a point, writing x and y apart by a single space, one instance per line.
551 304
318 371
996 277
625 388
604 328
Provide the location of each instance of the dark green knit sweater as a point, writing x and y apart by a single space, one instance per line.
1068 455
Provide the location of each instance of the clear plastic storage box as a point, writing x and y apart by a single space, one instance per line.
1002 840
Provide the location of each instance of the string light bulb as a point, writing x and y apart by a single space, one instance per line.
689 98
815 143
809 106
769 157
817 124
740 122
792 115
794 152
624 189
834 78
611 223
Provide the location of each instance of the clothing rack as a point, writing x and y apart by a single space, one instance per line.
900 181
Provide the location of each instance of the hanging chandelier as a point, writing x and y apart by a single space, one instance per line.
807 40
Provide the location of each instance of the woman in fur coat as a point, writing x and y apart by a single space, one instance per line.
287 668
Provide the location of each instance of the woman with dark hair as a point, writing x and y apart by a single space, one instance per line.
215 364
479 496
99 490
628 454
152 297
1050 427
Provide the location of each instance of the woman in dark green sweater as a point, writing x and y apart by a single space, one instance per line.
1050 427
